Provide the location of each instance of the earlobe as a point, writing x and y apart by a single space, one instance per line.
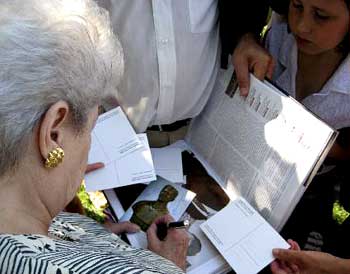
51 128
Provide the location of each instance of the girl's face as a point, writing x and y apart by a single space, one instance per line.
318 25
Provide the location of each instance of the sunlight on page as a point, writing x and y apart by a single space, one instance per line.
231 190
263 201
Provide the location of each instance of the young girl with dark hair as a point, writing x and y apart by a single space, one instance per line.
311 47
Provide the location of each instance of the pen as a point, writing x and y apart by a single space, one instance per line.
180 224
162 229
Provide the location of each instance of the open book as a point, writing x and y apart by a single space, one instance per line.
265 148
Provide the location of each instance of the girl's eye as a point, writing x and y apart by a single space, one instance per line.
321 17
297 6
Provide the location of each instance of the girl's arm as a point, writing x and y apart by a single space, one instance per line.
299 262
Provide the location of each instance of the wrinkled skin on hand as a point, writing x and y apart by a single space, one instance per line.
173 247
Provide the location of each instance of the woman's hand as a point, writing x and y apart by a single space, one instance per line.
295 261
123 227
93 167
250 56
173 247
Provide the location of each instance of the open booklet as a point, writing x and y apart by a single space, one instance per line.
265 148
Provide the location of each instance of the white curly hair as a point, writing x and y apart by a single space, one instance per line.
52 50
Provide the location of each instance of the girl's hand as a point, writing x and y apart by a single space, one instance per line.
249 56
295 261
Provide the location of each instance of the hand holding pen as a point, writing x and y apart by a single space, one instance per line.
175 244
162 228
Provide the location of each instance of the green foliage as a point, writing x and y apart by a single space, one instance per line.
90 210
339 213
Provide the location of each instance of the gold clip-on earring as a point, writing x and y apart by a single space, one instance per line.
54 158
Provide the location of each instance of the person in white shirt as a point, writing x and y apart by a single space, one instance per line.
172 57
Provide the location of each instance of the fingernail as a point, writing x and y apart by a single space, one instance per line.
244 91
136 228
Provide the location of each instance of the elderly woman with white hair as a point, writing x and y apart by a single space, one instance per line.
60 61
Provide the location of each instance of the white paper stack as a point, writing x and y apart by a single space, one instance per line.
126 155
168 163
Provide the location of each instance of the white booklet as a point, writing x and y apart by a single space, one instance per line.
265 147
127 156
243 237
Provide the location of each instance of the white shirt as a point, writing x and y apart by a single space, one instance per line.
171 51
332 102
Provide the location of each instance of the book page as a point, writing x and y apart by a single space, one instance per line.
243 237
262 147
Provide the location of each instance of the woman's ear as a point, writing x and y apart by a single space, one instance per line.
51 128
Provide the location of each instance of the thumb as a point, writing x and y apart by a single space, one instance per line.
289 256
270 68
260 70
